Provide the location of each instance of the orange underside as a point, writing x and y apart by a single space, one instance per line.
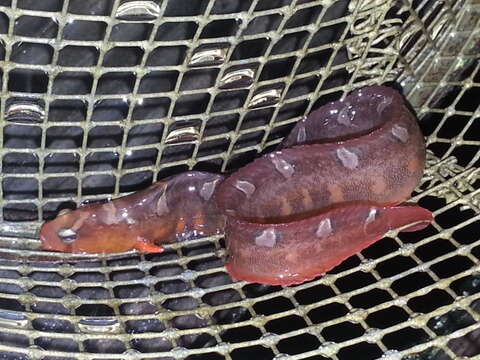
301 277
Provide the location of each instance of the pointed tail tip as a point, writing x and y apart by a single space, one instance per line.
409 218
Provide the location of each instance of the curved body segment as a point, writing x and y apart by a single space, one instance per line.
294 252
366 148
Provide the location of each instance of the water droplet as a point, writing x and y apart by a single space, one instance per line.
99 325
24 110
382 105
439 27
400 133
11 319
265 98
184 135
125 215
236 79
324 228
207 189
267 238
392 355
246 187
282 166
138 10
162 205
208 57
348 158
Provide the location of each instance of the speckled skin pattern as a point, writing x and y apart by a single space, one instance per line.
331 190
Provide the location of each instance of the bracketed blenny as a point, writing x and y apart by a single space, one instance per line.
333 188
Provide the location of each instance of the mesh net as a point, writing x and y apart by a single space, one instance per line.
100 98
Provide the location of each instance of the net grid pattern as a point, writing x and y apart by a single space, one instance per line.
190 153
410 296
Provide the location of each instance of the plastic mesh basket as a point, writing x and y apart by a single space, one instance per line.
100 98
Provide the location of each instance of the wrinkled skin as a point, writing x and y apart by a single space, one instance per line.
332 189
